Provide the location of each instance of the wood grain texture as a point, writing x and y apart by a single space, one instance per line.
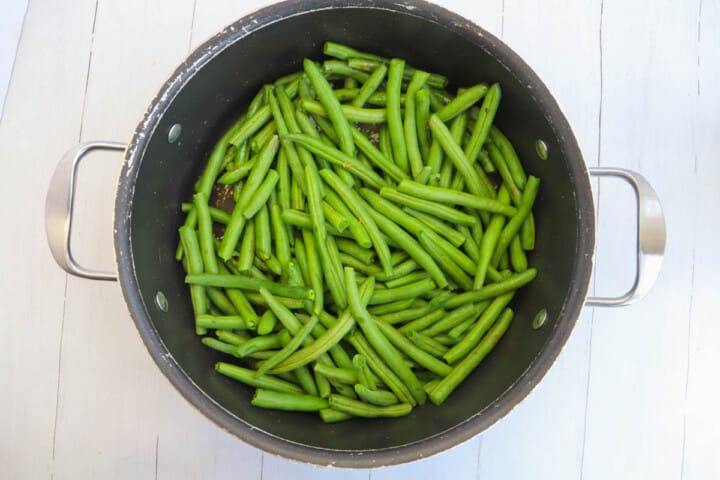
633 393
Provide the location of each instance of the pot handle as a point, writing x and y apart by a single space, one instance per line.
59 209
650 247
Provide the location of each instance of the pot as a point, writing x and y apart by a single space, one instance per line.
199 101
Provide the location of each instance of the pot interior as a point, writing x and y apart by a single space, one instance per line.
212 96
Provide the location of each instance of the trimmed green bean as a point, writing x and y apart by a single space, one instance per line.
261 194
293 158
353 114
244 282
228 322
290 348
381 398
248 377
267 323
262 137
489 241
324 92
247 248
472 360
518 259
420 356
427 344
410 126
377 157
288 401
367 410
455 317
462 102
422 116
370 85
428 206
457 157
394 116
392 307
342 68
337 374
446 195
484 121
217 215
456 237
191 246
513 225
335 218
205 235
510 155
237 220
470 340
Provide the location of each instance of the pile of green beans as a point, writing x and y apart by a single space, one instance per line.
379 232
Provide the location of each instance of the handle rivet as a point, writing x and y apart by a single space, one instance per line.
161 301
174 133
539 319
541 149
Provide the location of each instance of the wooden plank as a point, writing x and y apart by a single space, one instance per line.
460 462
639 354
11 23
541 32
33 138
702 419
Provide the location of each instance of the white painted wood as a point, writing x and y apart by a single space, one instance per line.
633 393
11 22
50 69
702 418
639 354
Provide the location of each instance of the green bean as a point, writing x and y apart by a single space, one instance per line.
325 342
332 268
244 282
456 155
293 158
331 105
410 290
344 94
427 344
446 248
412 351
341 68
394 116
328 136
446 195
336 374
335 218
356 229
472 360
261 194
239 301
212 169
262 137
306 381
314 270
363 213
221 301
404 280
377 339
368 64
294 274
365 376
427 206
288 401
518 259
527 233
266 262
292 303
233 338
455 317
247 248
217 215
237 220
258 344
248 377
290 348
513 225
510 156
283 313
219 346
376 156
381 398
484 121
455 237
367 269
280 234
367 410
249 128
263 235
328 415
352 248
422 321
323 385
459 330
412 247
385 146
370 85
267 323
353 114
410 126
337 157
462 102
470 340
392 307
448 264
489 241
422 116
289 78
190 244
205 235
229 322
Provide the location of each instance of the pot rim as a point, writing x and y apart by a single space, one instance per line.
265 441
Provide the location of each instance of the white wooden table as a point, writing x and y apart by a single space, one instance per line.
635 393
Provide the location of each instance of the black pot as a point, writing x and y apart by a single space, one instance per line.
212 87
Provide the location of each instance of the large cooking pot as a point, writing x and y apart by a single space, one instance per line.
213 85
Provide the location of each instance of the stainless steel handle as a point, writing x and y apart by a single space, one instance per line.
59 209
650 247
